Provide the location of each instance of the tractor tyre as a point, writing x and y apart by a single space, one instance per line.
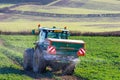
68 69
39 64
28 59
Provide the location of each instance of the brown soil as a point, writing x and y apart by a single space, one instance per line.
70 78
62 78
49 75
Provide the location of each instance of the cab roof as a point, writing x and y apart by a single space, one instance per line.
52 29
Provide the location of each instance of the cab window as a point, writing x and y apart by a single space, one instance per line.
57 35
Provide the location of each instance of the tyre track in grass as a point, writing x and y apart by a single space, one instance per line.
9 70
1 42
11 54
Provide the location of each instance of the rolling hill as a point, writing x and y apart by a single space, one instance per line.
25 1
87 15
109 5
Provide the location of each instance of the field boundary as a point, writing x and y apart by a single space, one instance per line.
72 33
7 11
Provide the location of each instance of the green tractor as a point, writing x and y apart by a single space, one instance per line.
54 49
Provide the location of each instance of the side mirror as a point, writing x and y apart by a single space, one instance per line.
33 32
68 34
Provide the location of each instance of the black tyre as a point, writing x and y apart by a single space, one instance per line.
68 69
28 59
39 64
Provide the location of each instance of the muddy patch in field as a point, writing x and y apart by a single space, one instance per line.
49 75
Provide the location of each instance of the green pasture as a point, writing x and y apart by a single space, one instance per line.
8 69
102 60
27 25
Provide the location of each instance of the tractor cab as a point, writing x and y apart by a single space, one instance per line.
54 32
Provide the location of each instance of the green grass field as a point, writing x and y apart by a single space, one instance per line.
101 62
26 25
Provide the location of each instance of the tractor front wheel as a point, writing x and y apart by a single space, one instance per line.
39 64
68 69
28 59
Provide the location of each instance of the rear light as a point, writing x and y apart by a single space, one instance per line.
81 52
51 50
38 25
65 27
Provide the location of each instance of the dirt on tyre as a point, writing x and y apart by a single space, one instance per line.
56 66
28 59
68 69
39 63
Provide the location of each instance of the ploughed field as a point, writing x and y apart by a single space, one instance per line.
102 60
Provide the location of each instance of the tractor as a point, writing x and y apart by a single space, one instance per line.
53 49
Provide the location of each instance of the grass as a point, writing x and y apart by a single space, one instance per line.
11 61
101 62
27 25
102 59
9 69
5 5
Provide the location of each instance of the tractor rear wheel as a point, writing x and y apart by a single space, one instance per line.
39 64
68 69
28 59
